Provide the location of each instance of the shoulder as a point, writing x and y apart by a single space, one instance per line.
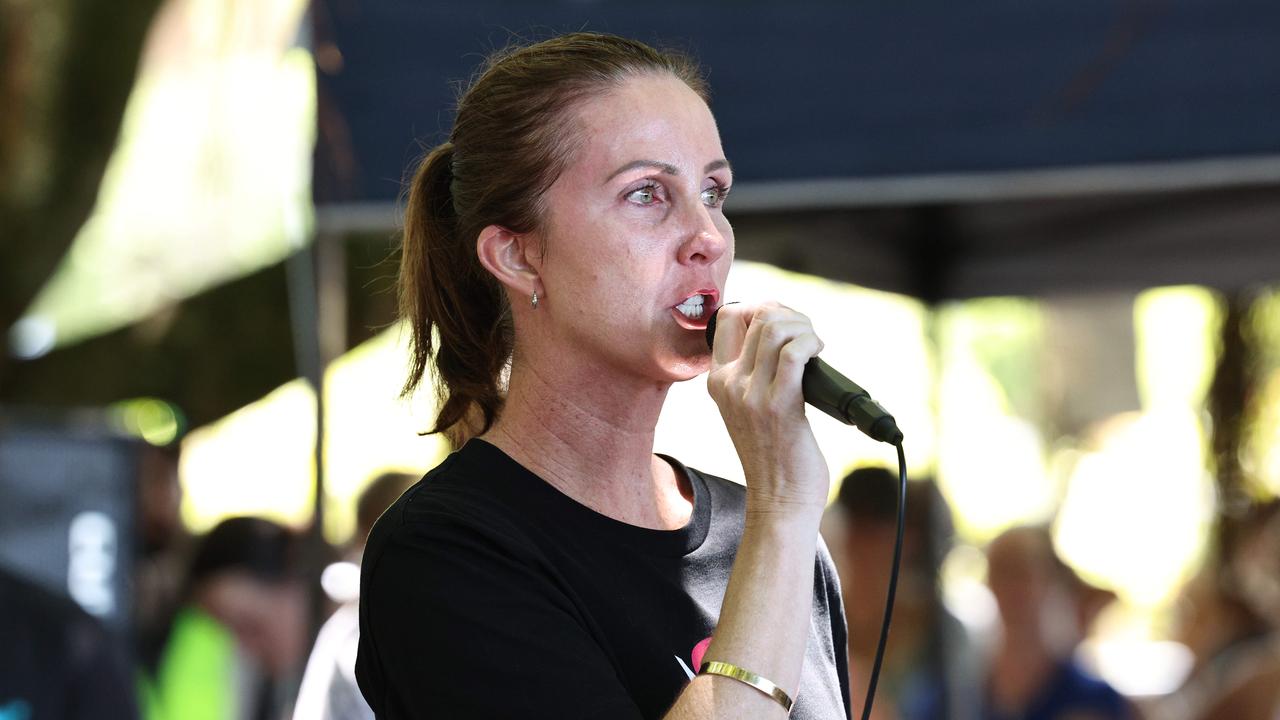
728 509
435 565
468 493
728 505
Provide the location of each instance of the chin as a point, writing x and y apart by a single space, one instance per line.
687 368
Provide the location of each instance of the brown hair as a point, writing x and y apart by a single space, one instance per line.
510 141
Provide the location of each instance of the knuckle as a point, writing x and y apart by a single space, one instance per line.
720 384
778 313
793 355
727 388
766 312
773 333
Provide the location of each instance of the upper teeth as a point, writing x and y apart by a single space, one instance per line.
691 307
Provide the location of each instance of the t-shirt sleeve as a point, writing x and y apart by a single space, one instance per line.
839 625
457 621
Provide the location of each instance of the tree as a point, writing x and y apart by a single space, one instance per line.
66 71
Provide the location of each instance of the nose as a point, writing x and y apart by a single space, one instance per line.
704 243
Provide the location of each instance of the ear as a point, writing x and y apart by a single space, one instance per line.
504 254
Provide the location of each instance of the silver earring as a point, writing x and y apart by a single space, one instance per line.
535 299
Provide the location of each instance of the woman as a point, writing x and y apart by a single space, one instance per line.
572 230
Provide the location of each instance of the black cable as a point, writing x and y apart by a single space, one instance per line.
893 582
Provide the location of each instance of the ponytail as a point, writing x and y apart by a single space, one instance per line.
457 311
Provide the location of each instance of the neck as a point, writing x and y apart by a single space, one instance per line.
592 439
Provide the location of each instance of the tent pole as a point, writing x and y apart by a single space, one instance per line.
313 285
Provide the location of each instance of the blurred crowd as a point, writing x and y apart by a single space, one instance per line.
1030 664
223 622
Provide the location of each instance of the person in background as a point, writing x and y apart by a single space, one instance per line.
329 690
57 662
924 675
1248 688
1033 674
240 633
1227 640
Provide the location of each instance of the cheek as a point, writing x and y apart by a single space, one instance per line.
615 269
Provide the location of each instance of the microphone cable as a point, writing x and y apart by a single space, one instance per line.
893 583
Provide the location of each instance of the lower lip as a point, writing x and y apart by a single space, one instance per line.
688 323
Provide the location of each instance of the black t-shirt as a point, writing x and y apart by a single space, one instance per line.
487 593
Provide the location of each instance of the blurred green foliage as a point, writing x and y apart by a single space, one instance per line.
66 70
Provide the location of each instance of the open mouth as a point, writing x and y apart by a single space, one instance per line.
693 306
692 312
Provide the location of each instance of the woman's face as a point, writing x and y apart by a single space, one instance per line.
637 245
268 619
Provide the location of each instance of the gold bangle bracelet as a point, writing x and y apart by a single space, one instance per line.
747 677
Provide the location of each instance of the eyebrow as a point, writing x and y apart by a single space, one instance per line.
666 168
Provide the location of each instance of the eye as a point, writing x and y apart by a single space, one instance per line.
715 195
646 195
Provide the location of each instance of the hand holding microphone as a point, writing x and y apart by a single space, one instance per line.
837 396
757 363
764 362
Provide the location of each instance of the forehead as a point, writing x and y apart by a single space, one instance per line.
654 117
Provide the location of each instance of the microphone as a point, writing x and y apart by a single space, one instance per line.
838 396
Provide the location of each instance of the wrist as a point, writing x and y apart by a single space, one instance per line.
762 684
782 534
784 509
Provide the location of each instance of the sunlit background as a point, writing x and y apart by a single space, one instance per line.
210 181
211 178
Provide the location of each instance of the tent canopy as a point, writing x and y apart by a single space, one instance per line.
938 149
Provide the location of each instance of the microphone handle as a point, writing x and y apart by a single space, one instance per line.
843 399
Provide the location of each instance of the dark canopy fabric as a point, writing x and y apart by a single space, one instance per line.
960 148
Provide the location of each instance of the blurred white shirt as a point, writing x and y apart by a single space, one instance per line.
329 690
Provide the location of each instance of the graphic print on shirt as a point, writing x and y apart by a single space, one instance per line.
684 667
696 656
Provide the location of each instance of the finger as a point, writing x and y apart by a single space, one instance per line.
731 330
774 336
757 324
792 359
